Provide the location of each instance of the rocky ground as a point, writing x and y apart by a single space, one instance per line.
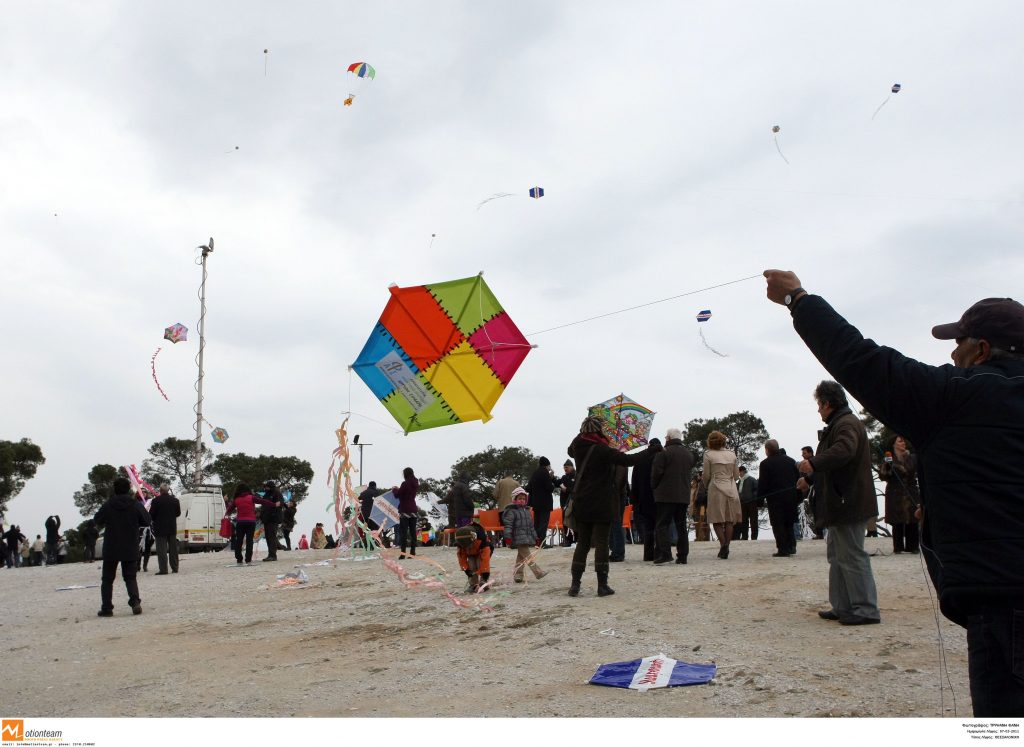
220 640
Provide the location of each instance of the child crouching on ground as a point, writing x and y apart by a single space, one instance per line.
474 555
520 534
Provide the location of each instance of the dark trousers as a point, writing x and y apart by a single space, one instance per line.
669 515
590 535
89 553
995 660
540 523
646 526
406 531
167 546
129 568
270 533
904 537
782 515
244 531
617 539
747 528
51 552
147 551
286 534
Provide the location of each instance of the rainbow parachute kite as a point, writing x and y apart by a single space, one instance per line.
441 353
363 73
628 423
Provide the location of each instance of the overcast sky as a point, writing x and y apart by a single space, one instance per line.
131 132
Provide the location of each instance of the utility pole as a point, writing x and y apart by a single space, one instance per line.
207 251
355 442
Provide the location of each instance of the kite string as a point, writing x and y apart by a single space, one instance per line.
644 305
779 149
880 106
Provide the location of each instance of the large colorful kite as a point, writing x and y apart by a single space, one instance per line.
441 353
628 423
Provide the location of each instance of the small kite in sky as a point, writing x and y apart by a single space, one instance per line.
534 192
895 89
363 74
704 316
775 133
220 435
176 333
231 151
441 353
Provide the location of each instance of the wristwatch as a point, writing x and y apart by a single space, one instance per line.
792 296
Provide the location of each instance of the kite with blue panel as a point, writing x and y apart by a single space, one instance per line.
441 353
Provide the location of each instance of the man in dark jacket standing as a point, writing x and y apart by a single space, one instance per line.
540 487
270 515
124 517
164 510
973 526
670 479
641 497
842 463
747 488
460 502
52 525
777 478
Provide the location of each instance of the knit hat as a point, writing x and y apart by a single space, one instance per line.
519 491
592 424
568 463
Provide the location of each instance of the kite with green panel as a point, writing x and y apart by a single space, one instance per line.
441 353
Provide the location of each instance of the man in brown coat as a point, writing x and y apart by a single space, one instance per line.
842 473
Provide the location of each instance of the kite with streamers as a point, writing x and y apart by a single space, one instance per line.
176 333
141 487
219 435
775 134
895 89
704 316
534 192
441 353
152 366
628 422
361 75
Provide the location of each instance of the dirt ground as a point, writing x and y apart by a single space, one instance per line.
218 640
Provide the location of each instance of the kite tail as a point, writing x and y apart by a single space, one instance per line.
723 355
496 196
779 149
880 107
152 366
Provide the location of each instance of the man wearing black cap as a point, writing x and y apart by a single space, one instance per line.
973 525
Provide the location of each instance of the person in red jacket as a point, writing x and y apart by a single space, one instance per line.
244 503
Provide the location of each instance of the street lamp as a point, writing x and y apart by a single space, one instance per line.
355 442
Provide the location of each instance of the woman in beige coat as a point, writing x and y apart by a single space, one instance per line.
720 475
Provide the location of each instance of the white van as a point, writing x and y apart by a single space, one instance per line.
202 508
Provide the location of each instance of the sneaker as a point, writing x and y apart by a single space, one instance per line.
542 574
827 615
137 608
518 580
105 613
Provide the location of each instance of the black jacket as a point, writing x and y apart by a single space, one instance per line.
52 528
164 510
776 481
271 514
670 473
594 494
968 427
641 494
460 501
123 516
540 487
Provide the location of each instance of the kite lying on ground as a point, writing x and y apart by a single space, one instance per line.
652 671
441 353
